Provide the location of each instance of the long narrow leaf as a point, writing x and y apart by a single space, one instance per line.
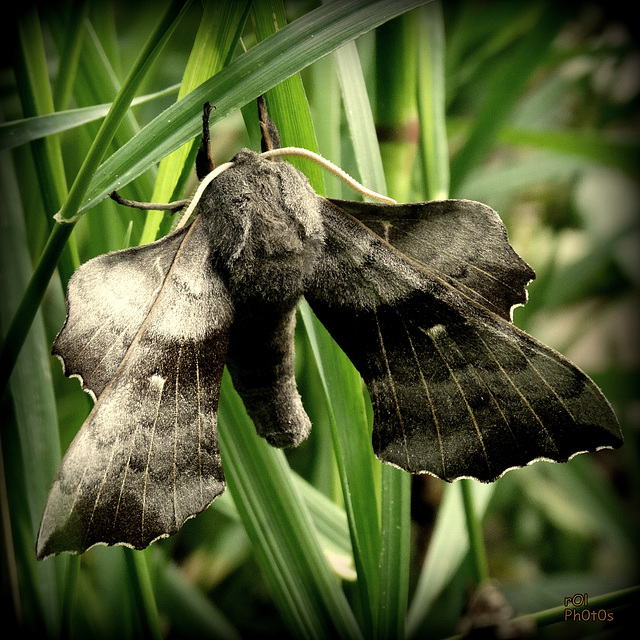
448 546
287 102
37 447
431 101
275 518
396 118
359 118
293 48
17 132
214 43
352 445
35 90
508 87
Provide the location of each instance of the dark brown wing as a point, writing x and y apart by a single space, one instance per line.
457 390
461 242
147 332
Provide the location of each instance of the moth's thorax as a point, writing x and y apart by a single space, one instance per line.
265 227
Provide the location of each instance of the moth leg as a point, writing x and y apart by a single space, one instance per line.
270 135
204 161
260 359
149 206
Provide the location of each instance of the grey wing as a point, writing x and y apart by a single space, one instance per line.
457 390
147 332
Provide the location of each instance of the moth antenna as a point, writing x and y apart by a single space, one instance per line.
149 206
329 166
270 136
204 159
199 191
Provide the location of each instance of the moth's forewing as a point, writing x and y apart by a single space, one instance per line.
147 332
457 390
462 242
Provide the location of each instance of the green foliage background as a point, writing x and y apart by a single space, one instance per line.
530 107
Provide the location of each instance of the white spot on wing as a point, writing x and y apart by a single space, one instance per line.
436 331
156 383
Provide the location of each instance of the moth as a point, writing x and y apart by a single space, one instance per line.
419 296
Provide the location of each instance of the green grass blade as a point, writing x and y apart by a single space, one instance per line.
327 117
17 132
396 118
138 572
121 104
613 151
329 521
507 88
292 49
33 82
33 86
287 102
473 25
187 607
98 82
70 55
305 591
358 469
30 444
608 149
474 532
395 552
214 43
448 546
431 101
359 118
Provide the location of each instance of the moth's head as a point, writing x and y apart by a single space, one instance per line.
256 194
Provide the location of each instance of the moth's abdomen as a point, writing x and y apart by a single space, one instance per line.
261 362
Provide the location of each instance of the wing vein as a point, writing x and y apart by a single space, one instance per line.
175 436
432 336
124 477
146 470
102 484
200 473
467 263
517 390
147 319
426 389
392 385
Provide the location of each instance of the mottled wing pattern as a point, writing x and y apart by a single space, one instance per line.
147 332
457 390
